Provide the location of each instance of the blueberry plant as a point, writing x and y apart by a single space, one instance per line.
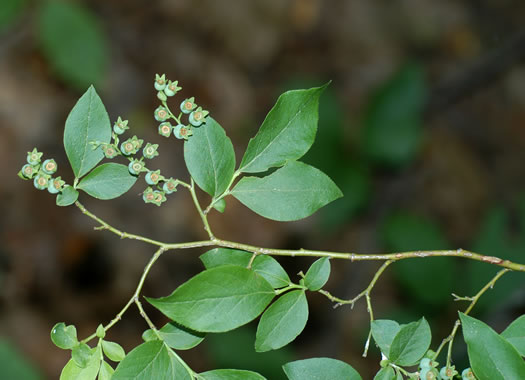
241 282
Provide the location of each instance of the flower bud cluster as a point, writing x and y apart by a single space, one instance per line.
41 172
196 115
159 187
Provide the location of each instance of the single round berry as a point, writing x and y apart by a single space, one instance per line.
160 197
49 166
33 157
153 178
150 151
172 88
181 132
448 373
137 143
425 363
161 114
428 374
188 105
109 151
165 129
127 148
148 196
28 171
160 82
170 186
196 118
55 185
41 182
467 374
135 167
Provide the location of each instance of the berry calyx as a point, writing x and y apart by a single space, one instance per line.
172 88
49 166
135 167
127 148
120 126
28 171
153 177
188 105
33 157
55 185
150 151
161 114
109 151
160 82
182 132
170 186
41 182
165 129
198 117
447 373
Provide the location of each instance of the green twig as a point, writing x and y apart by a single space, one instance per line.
473 300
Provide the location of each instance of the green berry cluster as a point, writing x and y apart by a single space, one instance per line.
196 115
428 371
41 172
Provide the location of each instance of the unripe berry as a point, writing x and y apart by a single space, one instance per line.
467 374
120 126
182 132
55 185
165 129
49 166
170 186
150 150
188 105
198 116
127 148
447 373
109 151
41 182
153 178
161 114
160 197
162 96
148 196
33 157
28 171
160 82
137 143
135 167
429 374
172 88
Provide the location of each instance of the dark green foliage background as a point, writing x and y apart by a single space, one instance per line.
420 167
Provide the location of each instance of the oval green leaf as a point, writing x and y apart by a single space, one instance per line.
73 372
67 196
210 157
72 41
230 374
266 266
87 122
320 369
410 343
106 372
318 274
386 373
384 332
515 334
81 354
292 192
491 356
107 181
282 322
113 351
180 337
218 299
150 360
63 336
288 131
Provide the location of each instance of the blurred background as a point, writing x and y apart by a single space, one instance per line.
422 127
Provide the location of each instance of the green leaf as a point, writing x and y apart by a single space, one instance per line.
82 354
67 196
491 356
318 274
178 370
106 371
9 11
320 369
430 280
410 343
73 372
386 373
150 360
210 157
107 181
515 334
392 131
282 322
217 299
63 336
73 42
113 351
15 365
287 132
230 374
384 332
87 122
292 192
180 337
266 266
